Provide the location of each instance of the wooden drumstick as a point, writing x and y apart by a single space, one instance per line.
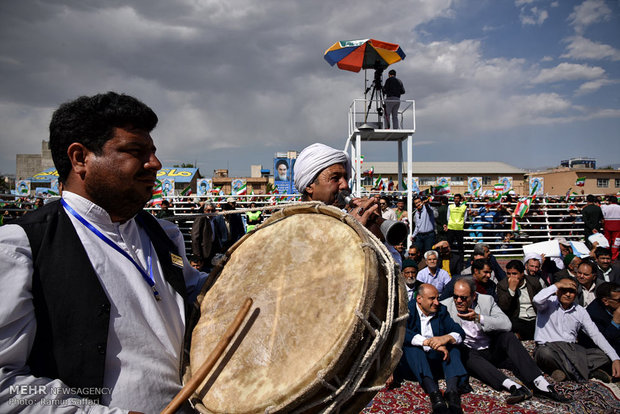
202 372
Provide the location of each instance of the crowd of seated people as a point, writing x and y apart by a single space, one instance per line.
467 324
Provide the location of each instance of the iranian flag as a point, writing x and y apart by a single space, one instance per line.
580 182
378 184
369 172
404 184
515 226
187 191
441 189
523 207
499 188
157 194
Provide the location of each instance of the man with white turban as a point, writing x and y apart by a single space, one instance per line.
321 172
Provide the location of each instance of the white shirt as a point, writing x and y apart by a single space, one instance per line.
556 324
388 214
426 331
526 308
145 337
475 338
588 294
611 211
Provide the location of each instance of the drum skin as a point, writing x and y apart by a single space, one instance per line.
309 275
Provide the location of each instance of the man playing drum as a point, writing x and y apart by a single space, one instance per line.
94 289
321 172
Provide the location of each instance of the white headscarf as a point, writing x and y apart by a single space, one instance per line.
314 159
532 255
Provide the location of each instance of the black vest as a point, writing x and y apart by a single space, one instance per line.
71 308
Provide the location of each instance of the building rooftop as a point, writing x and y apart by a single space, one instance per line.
445 168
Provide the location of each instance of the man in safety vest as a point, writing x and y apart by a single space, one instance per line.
254 218
457 214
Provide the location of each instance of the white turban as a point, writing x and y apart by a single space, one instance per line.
532 255
314 159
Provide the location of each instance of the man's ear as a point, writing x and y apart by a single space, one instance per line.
310 189
78 155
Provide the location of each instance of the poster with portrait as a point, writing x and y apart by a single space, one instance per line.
22 187
54 186
238 186
415 184
537 186
443 181
167 186
283 174
203 186
474 185
281 170
506 182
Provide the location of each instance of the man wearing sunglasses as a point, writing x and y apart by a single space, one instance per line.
489 344
558 322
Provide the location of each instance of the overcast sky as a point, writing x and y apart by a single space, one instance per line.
527 82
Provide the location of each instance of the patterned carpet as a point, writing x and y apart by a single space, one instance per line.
590 397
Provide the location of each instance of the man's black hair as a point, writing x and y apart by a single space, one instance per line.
478 264
605 289
569 277
280 162
517 265
612 199
602 251
90 121
590 263
590 198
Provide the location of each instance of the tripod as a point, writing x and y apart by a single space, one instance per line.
376 96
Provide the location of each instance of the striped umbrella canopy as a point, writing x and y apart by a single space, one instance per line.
354 55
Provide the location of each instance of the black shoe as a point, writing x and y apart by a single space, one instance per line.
454 402
518 394
465 388
438 403
601 375
551 394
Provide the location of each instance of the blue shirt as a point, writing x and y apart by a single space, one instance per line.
424 223
439 280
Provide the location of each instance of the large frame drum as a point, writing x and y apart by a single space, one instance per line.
327 325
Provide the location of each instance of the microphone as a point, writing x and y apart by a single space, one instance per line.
344 199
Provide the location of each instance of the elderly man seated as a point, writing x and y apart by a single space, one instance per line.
410 274
489 344
571 263
431 350
558 322
432 274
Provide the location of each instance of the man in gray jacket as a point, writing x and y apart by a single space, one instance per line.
489 344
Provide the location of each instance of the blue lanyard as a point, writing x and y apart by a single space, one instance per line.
148 277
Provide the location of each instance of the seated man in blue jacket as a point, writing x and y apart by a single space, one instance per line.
431 350
605 313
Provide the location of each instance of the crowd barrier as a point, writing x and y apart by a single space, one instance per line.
548 218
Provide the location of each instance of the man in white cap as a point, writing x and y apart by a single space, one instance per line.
321 173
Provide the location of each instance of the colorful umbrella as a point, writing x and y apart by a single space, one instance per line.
354 55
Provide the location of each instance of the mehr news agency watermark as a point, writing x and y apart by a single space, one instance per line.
88 395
